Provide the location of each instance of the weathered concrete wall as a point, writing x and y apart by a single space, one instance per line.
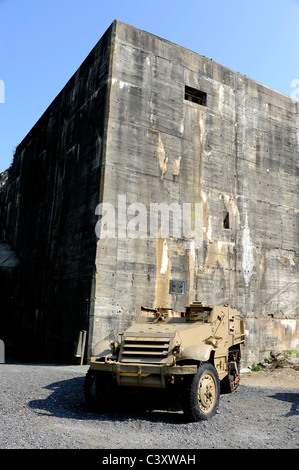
122 132
237 155
48 214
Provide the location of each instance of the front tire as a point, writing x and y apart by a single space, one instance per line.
201 393
100 390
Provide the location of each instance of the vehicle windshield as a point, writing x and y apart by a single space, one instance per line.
195 312
198 312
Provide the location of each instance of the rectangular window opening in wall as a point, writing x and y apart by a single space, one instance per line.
196 96
226 220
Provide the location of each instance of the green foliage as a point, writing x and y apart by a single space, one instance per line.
268 360
256 367
287 355
292 354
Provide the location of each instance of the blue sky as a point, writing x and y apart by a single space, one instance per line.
42 43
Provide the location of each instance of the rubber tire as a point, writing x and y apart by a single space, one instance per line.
194 409
100 390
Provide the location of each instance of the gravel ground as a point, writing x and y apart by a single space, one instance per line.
42 407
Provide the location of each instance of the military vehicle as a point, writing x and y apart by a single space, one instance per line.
190 353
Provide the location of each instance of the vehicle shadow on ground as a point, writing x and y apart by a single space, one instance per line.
292 398
66 400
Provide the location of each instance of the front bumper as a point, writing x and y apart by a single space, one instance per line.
143 375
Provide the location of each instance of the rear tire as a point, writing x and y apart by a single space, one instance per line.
201 393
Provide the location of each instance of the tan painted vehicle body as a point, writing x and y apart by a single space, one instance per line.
164 347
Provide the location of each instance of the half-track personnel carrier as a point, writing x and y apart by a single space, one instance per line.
191 352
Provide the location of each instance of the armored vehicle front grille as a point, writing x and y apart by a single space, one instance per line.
149 350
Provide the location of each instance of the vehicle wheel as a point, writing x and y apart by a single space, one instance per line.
100 391
201 393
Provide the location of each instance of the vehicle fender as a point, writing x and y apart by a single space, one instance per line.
197 352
